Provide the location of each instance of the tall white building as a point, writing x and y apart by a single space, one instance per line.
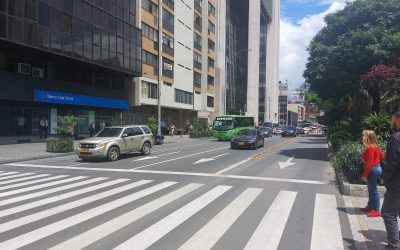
247 58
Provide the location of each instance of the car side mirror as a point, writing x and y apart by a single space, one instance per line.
124 135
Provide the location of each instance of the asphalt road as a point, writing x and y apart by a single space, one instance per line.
194 195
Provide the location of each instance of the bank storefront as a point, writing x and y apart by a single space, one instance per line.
22 108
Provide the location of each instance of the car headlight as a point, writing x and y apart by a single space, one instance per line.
100 145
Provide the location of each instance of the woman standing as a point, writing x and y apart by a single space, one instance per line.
372 171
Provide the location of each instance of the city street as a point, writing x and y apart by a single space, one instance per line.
197 194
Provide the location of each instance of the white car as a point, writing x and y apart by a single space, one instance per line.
278 130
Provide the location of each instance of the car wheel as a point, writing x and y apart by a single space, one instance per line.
113 153
146 148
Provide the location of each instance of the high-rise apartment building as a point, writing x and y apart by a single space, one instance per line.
283 103
178 58
247 58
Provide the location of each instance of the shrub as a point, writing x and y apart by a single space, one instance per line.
348 161
59 144
152 124
65 125
342 133
378 123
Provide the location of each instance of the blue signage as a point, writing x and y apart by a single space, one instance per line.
73 99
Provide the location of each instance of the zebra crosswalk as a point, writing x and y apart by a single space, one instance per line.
36 210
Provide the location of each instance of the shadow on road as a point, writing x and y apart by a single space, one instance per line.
314 141
316 154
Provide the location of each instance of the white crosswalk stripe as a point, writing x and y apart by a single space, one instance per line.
24 179
8 173
26 223
13 176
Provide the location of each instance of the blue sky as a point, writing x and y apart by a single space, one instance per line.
300 22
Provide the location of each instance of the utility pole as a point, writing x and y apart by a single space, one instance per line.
159 68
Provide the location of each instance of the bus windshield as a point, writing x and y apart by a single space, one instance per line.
223 123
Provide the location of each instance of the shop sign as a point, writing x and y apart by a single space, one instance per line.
73 99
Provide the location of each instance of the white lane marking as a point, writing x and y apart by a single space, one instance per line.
155 232
202 160
33 181
355 227
155 156
287 163
178 158
190 146
326 232
52 190
269 232
38 203
14 176
244 177
40 233
232 166
67 206
209 234
23 179
8 173
78 164
101 231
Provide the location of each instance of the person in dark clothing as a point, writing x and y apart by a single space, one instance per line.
391 180
91 129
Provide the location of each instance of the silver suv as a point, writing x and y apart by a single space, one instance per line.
113 141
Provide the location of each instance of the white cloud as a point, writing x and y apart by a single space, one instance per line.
294 40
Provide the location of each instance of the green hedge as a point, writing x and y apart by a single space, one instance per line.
201 134
59 145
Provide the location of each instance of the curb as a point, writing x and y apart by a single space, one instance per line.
35 158
351 189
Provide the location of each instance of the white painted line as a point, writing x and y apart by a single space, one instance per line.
244 177
178 158
155 232
269 232
22 179
78 164
326 232
190 146
209 234
155 156
40 233
67 206
287 163
232 166
52 190
202 160
85 239
14 176
34 181
8 173
356 231
38 203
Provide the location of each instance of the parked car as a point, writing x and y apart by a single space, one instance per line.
289 131
113 141
300 130
266 132
248 138
278 130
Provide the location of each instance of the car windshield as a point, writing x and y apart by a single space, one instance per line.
289 128
247 132
223 124
109 132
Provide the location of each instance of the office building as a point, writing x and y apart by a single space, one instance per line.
283 103
178 57
247 58
66 57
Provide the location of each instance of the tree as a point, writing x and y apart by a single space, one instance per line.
378 81
363 34
152 124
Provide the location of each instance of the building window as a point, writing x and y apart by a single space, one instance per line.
197 22
168 44
197 5
168 68
211 28
211 45
16 8
44 15
149 59
149 32
149 90
169 3
150 7
210 63
197 41
31 9
210 80
211 9
168 21
183 97
210 101
67 24
197 79
197 60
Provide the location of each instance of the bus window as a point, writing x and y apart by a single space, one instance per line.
244 122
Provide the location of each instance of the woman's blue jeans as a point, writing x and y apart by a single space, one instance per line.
374 201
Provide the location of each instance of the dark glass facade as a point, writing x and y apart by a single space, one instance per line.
237 18
263 62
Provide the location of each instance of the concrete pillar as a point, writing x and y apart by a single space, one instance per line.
220 74
253 71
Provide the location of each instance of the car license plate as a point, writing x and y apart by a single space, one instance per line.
84 150
240 143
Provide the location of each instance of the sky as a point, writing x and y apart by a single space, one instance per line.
300 22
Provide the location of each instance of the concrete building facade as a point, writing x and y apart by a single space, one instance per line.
283 103
247 68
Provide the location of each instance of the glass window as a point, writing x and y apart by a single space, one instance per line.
126 30
97 16
120 45
56 20
44 14
210 101
197 57
105 40
78 8
113 7
113 42
43 37
149 90
97 53
120 27
183 97
30 34
149 32
87 32
126 62
211 28
87 51
77 28
15 28
3 5
68 6
211 45
168 20
149 59
210 63
211 9
87 12
112 24
78 47
97 36
105 56
168 68
120 8
104 19
16 8
126 47
56 41
197 41
67 24
67 45
197 22
146 130
31 9
168 41
2 26
150 7
197 79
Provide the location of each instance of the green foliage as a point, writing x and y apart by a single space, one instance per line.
378 123
152 124
200 134
59 145
200 125
363 34
342 133
348 161
65 125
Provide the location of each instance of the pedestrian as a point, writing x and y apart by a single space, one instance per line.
173 129
191 128
91 129
372 157
44 126
391 180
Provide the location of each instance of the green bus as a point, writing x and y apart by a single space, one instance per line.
225 127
